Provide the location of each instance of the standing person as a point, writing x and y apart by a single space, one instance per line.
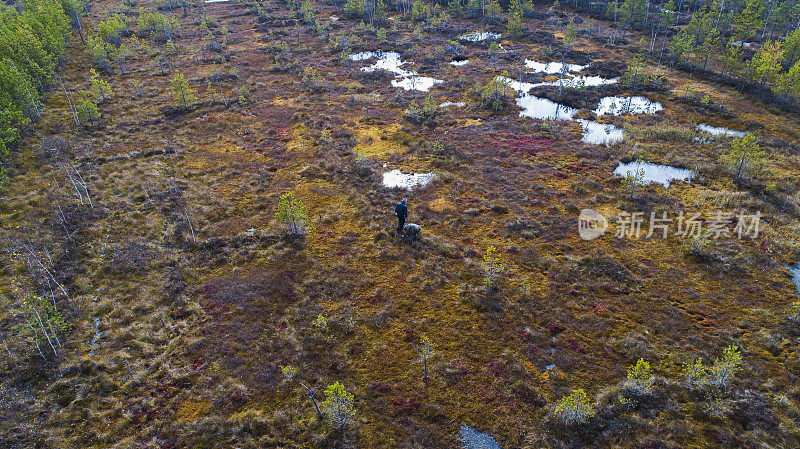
401 210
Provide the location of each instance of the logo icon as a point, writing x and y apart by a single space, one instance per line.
591 224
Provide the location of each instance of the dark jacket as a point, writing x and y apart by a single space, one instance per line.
401 210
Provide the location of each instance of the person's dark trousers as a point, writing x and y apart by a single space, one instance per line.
401 221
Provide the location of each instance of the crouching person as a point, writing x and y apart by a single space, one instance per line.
412 230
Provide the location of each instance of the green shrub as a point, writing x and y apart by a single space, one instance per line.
292 212
640 378
338 406
87 111
181 91
745 158
575 408
721 373
694 373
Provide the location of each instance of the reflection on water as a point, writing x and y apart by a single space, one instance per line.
391 62
627 105
662 174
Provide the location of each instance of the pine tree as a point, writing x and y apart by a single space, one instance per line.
766 64
515 27
789 83
181 91
791 47
87 111
748 21
99 89
746 157
338 406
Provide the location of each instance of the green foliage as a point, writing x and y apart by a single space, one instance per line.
682 44
87 111
694 374
640 378
575 408
244 95
632 13
515 27
716 406
635 75
312 79
494 93
41 323
766 64
455 7
288 372
475 7
420 10
99 88
716 377
321 323
31 44
748 21
338 406
355 8
181 91
379 13
493 10
425 113
745 157
157 24
307 9
789 83
722 372
292 212
791 47
523 7
634 179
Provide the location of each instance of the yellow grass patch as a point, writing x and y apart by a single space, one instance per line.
192 410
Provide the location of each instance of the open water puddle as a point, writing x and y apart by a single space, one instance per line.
600 133
544 109
391 62
551 68
719 131
627 105
477 37
458 104
397 179
662 174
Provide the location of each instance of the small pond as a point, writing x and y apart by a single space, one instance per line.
391 62
397 179
662 174
458 104
627 105
542 108
477 37
600 133
551 68
578 81
719 131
